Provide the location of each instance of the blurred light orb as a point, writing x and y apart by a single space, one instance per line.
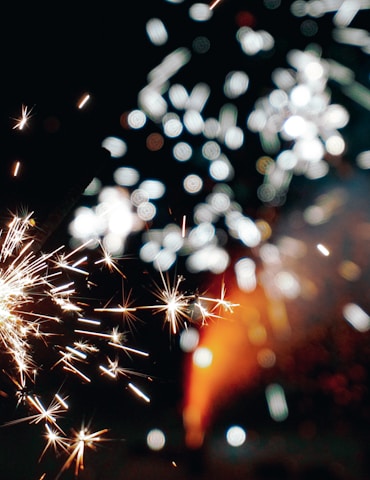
113 243
221 169
294 126
126 176
211 150
236 84
201 44
149 251
317 170
164 260
173 128
154 188
357 317
335 145
156 439
236 436
266 358
200 12
189 339
234 137
193 122
182 151
93 188
154 142
139 196
192 184
211 128
363 160
210 258
178 95
136 119
116 146
146 211
245 271
300 96
202 357
156 31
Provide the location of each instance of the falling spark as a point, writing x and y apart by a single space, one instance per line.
22 121
83 101
214 4
321 248
183 228
138 392
16 168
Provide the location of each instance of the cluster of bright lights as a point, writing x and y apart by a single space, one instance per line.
30 280
297 123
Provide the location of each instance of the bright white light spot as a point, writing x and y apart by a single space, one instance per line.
356 317
234 138
178 96
276 402
363 160
211 150
287 160
211 128
126 176
200 12
310 150
236 83
182 151
193 122
149 251
94 187
115 146
210 257
146 211
294 126
136 119
287 284
322 249
164 260
173 128
300 95
202 357
193 184
189 339
139 196
221 169
236 436
156 439
154 188
335 145
245 271
156 31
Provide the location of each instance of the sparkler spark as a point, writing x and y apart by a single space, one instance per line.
23 119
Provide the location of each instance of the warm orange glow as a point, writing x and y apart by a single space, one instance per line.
234 362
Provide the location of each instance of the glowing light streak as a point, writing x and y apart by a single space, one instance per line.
214 4
16 168
83 101
138 392
322 249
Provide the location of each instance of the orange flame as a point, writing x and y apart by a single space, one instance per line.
234 342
